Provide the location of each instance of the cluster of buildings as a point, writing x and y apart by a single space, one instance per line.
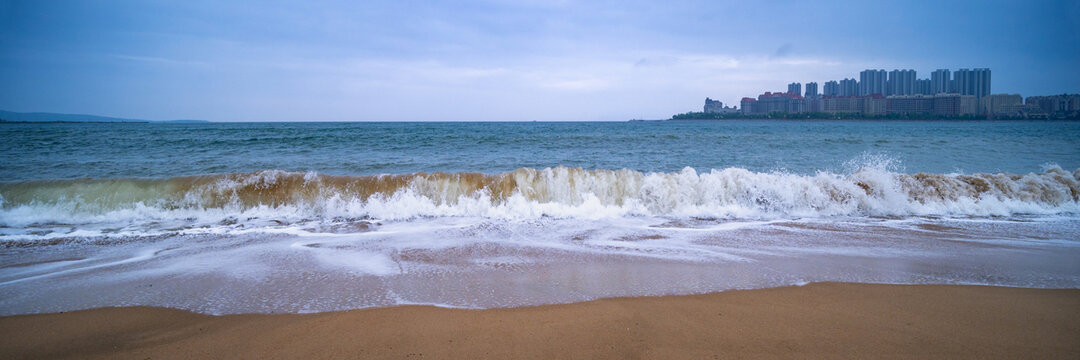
880 92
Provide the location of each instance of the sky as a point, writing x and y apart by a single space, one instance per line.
499 60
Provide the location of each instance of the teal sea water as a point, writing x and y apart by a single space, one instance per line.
65 151
306 217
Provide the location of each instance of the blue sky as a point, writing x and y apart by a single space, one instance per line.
498 59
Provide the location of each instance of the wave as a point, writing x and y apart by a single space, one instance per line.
560 192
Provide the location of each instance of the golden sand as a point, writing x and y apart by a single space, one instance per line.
827 320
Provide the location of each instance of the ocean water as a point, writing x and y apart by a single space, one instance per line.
67 151
306 217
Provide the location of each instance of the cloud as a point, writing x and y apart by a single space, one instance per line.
489 59
159 60
587 84
608 86
614 87
783 50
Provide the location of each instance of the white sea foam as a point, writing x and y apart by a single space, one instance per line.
271 198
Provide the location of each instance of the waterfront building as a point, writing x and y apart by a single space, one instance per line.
794 88
775 102
1059 105
874 104
869 105
713 106
939 104
748 105
1001 104
954 104
831 88
910 104
947 104
771 102
872 82
811 89
797 104
813 103
840 104
784 102
969 104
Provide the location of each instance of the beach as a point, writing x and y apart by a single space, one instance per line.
539 180
744 239
821 320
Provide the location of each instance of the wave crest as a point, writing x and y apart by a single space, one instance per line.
531 193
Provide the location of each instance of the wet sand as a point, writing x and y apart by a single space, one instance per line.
826 320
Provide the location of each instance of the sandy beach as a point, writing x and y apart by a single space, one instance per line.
824 320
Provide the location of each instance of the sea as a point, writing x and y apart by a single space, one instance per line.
227 218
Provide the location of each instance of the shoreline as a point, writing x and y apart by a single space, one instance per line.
819 320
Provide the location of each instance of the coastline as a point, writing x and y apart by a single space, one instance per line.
820 320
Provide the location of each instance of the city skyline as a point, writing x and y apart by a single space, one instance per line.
497 60
898 93
967 81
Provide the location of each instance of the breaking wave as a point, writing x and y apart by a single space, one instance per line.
560 192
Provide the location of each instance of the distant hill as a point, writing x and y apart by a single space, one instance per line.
11 116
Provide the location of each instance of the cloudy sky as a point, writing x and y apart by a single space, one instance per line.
499 59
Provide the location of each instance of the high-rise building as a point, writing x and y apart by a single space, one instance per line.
872 82
939 82
924 87
891 83
964 82
972 82
849 87
832 88
811 89
794 88
910 82
982 83
901 82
